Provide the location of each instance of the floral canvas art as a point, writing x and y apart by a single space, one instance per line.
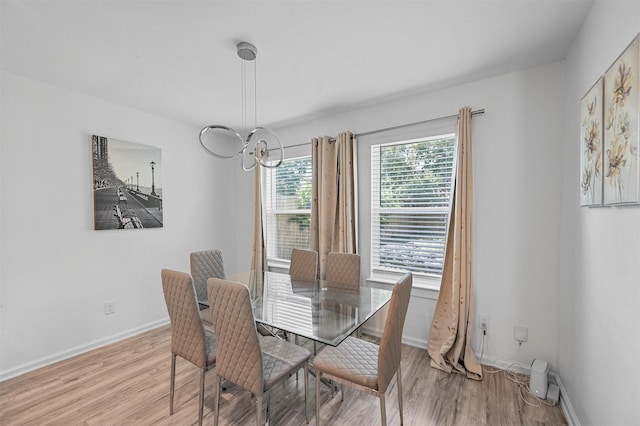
591 146
621 93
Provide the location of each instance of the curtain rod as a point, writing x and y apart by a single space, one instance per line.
371 132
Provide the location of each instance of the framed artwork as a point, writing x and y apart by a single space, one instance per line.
127 184
621 120
591 157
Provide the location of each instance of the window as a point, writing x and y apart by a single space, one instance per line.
288 207
411 184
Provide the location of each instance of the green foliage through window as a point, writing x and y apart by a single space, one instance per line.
411 195
288 201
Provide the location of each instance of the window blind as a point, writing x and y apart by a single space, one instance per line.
411 184
288 207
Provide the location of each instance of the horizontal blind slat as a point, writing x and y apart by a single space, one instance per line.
411 192
288 207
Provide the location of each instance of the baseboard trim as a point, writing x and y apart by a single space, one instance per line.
372 331
566 406
60 356
416 343
503 365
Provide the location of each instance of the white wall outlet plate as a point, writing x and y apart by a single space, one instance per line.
520 333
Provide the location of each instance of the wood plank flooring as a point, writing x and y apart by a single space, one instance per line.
127 383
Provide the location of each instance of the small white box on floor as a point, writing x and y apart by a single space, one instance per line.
553 394
538 379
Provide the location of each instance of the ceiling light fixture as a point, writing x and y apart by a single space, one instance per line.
225 143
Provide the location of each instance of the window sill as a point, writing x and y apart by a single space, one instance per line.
278 265
423 287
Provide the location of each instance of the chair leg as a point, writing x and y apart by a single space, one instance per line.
295 339
306 391
341 392
173 383
399 375
201 400
216 404
259 410
267 416
318 377
383 411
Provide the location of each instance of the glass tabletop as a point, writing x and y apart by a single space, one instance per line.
319 310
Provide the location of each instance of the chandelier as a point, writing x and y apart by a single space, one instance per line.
225 143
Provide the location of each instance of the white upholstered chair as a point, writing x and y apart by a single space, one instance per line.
253 363
365 365
189 338
304 265
204 265
343 269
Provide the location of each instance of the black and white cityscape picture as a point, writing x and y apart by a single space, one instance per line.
127 184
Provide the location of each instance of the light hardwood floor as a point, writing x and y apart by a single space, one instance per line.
127 383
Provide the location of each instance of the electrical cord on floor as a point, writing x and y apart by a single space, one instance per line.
522 380
484 334
523 389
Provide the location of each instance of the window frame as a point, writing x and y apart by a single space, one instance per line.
269 183
421 131
425 212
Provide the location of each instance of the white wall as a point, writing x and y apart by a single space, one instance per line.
56 271
518 170
599 292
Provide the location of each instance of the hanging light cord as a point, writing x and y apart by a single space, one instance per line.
255 92
243 75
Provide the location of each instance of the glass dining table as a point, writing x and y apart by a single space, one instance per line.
319 310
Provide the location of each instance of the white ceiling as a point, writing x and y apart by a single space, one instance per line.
177 58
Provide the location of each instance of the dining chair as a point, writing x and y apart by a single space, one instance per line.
189 338
252 363
365 365
204 265
343 269
304 265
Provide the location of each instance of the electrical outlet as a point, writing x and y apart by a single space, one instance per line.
520 333
109 307
483 323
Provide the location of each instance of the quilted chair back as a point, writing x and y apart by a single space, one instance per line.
304 265
238 356
204 265
389 354
187 331
343 270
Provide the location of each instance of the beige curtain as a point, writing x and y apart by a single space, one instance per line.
333 205
451 329
259 255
